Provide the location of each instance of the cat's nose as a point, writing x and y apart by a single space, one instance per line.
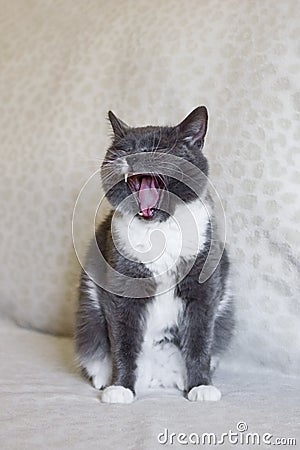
133 165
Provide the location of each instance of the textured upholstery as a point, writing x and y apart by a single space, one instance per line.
46 405
64 64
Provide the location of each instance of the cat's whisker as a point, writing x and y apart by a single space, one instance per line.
153 140
93 158
107 176
159 140
162 180
170 171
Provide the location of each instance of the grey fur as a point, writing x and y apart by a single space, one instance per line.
116 325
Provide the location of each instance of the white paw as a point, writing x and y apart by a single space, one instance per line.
180 384
204 394
99 381
117 394
100 371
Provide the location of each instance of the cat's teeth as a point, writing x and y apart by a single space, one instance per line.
140 213
126 177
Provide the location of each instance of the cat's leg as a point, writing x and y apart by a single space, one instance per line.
99 370
91 336
224 325
223 330
126 334
214 362
196 343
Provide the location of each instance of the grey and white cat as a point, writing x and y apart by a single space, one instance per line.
144 318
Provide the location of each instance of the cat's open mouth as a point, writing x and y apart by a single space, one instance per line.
147 189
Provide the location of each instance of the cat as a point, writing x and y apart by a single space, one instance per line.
145 319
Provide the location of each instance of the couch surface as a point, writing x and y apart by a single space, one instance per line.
45 404
64 64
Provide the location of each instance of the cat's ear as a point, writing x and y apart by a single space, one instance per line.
119 127
193 128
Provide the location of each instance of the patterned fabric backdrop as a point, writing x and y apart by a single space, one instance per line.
64 63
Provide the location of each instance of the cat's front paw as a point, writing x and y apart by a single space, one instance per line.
98 381
117 394
204 394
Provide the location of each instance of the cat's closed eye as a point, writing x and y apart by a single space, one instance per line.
199 144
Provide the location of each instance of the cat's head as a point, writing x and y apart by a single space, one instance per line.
149 170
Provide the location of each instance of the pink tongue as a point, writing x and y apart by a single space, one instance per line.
148 195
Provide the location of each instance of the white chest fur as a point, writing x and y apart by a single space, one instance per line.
159 245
